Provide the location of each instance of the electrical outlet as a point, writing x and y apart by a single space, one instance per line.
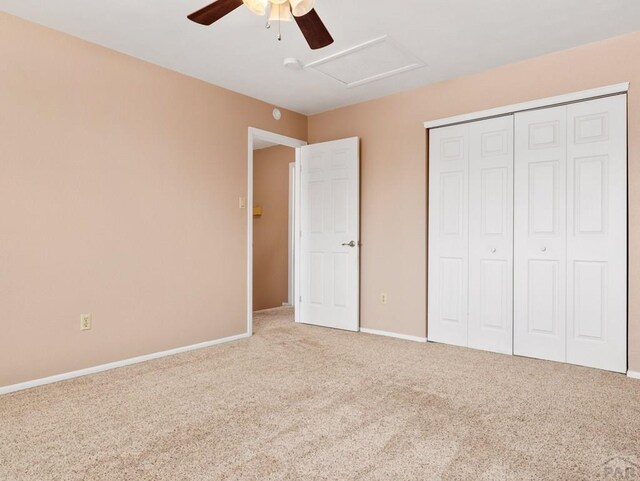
383 298
85 322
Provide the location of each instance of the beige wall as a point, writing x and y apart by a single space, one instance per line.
394 194
270 231
119 186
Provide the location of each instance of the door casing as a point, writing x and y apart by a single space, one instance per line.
573 97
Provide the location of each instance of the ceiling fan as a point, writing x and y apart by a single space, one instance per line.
301 11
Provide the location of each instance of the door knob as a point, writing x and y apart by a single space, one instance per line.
543 249
493 251
350 244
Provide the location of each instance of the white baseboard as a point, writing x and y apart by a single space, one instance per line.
113 365
633 374
393 334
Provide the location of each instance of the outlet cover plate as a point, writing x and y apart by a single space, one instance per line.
85 322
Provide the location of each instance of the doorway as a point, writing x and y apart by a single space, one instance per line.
270 222
273 207
528 230
322 228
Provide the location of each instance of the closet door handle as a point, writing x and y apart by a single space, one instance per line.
493 251
543 249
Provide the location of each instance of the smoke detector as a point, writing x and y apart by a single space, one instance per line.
292 63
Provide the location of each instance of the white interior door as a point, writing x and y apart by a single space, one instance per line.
330 234
491 235
597 233
448 235
540 234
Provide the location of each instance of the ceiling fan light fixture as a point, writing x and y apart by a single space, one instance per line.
309 23
302 7
280 12
259 7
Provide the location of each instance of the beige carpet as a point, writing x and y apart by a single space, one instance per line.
304 403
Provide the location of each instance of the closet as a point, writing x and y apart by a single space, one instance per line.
528 234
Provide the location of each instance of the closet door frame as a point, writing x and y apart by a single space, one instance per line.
573 97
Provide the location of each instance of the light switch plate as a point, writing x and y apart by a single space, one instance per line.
242 202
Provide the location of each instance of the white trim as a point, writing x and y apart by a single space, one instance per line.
276 139
114 365
406 337
298 236
532 104
633 374
291 234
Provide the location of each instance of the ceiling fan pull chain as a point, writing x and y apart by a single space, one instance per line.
279 23
268 12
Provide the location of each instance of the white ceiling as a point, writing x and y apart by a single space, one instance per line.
453 37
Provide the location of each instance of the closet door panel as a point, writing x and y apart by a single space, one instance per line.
597 234
491 234
540 234
448 235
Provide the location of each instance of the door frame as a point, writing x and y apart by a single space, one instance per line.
254 133
541 103
291 275
568 98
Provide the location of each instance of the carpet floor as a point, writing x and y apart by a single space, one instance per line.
296 402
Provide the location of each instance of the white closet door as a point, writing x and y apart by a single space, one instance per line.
491 235
448 235
597 234
540 234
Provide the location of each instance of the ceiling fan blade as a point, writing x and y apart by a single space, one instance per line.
314 30
214 12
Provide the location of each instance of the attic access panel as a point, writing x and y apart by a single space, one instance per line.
374 60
